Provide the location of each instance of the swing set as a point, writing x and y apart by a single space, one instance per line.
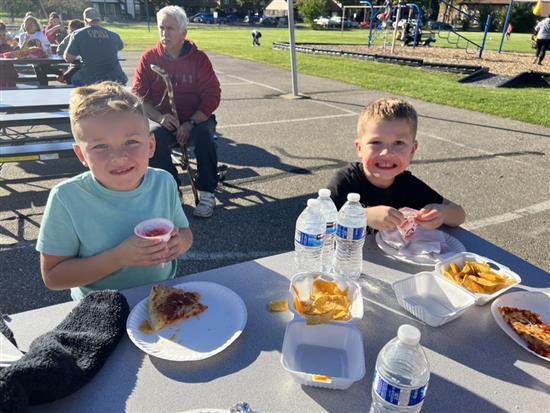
416 19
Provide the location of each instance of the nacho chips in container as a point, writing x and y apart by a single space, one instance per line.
321 298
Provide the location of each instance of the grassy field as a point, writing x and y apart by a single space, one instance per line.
416 83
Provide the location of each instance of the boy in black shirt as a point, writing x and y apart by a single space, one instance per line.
386 143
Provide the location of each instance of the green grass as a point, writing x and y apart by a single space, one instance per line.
416 83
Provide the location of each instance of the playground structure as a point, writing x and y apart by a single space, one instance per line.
415 17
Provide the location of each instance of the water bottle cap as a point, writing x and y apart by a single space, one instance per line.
324 193
313 203
408 334
353 197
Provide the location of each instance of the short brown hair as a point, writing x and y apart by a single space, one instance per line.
102 99
387 109
76 24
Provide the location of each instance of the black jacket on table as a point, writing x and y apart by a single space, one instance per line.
406 190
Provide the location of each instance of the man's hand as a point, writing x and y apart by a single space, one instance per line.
140 252
383 217
184 133
431 216
169 121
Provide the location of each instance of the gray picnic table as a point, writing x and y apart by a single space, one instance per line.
35 100
36 63
475 366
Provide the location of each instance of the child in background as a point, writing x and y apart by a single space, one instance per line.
8 74
33 36
386 143
86 240
55 30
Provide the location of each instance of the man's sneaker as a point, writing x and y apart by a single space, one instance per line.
205 208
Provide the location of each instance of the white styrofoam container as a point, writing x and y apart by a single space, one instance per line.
431 298
329 356
459 259
303 283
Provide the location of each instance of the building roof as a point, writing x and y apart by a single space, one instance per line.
277 5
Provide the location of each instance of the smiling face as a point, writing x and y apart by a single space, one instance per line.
116 147
170 33
386 149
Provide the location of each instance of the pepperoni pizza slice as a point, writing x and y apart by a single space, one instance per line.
168 305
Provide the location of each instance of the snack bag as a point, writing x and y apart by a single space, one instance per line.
409 224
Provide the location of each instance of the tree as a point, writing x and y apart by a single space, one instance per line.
17 8
311 9
522 18
67 9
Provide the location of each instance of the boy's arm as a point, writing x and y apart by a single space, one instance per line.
60 273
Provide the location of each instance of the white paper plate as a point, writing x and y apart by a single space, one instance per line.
196 338
428 259
535 301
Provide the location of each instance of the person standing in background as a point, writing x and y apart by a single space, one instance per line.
543 39
509 31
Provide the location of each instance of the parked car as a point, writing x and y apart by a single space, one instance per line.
204 18
321 21
439 26
230 19
252 19
269 21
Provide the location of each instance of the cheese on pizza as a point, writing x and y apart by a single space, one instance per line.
168 305
529 327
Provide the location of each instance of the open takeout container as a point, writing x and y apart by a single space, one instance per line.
327 355
302 283
458 259
432 299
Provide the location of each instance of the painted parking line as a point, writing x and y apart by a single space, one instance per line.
242 79
508 216
272 122
478 150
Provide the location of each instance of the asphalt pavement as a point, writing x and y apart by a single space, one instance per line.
281 151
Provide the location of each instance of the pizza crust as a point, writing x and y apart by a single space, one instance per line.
529 327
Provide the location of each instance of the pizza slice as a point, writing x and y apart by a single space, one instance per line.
529 326
168 305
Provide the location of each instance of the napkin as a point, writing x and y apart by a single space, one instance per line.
9 354
61 361
423 242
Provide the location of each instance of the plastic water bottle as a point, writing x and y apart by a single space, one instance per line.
330 213
309 237
350 237
401 375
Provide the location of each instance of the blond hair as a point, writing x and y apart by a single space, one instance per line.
387 109
101 99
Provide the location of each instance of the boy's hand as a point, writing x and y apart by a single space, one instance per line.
431 216
383 217
174 245
140 252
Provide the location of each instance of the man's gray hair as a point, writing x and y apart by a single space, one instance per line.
177 13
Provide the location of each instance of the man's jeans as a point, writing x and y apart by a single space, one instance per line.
202 139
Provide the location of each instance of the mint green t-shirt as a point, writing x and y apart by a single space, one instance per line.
83 218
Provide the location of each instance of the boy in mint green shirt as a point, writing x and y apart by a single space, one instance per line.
86 239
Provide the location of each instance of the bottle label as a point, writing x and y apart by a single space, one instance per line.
331 228
350 234
396 395
309 240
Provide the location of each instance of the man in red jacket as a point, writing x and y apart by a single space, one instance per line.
196 94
